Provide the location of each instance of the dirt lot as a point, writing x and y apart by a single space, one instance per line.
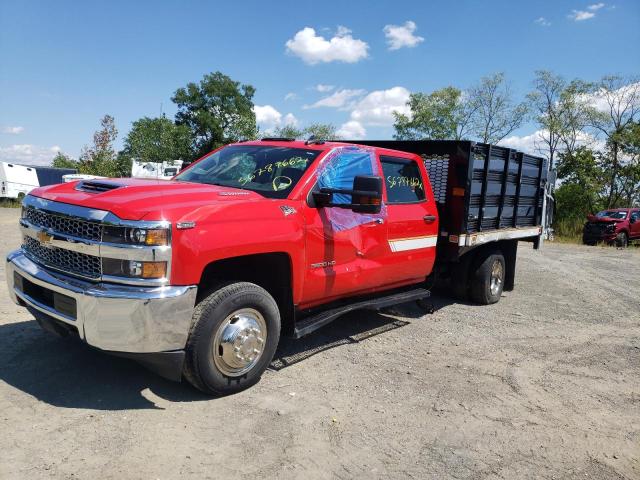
545 384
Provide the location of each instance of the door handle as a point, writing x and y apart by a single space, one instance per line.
429 218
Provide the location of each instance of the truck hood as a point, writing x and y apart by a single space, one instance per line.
135 199
594 219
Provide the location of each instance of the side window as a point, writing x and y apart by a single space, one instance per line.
635 216
403 180
340 171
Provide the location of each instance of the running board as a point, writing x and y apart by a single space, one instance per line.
314 322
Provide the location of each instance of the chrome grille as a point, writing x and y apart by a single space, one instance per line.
63 224
68 261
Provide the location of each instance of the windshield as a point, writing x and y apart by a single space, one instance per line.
268 170
617 214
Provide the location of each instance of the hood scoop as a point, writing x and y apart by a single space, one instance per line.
93 186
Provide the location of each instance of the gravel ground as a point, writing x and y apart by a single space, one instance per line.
543 385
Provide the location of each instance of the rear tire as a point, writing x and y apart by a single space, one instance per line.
487 280
233 338
622 240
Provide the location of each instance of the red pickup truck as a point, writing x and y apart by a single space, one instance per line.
199 276
614 226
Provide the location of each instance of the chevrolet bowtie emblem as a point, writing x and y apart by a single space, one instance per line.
44 237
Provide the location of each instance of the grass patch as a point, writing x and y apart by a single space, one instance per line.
10 203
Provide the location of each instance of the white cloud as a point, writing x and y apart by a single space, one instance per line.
290 119
314 49
290 96
399 36
268 118
534 142
580 15
531 143
590 12
323 88
12 130
338 99
26 154
352 130
378 106
543 22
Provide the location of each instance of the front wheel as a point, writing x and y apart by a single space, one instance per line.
487 281
233 338
622 240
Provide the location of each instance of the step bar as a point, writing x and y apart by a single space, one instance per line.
319 320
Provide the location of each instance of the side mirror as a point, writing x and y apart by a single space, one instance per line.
322 199
367 194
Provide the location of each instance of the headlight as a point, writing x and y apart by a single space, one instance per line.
136 236
133 268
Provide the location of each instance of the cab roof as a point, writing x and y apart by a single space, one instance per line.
321 145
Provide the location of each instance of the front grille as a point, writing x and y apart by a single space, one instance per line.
67 261
63 224
598 228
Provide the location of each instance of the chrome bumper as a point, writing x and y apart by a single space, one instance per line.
117 318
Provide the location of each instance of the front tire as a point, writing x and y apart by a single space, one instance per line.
487 281
233 338
622 240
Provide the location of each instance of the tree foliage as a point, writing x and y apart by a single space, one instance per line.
63 161
217 110
100 158
442 114
289 131
158 140
496 115
321 131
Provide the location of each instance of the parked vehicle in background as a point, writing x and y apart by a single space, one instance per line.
74 177
17 180
616 226
157 170
198 276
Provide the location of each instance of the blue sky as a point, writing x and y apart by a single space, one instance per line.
65 64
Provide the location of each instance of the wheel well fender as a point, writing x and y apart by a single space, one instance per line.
271 271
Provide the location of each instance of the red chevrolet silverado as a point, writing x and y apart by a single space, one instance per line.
198 276
616 226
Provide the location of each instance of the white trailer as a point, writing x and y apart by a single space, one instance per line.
16 180
158 170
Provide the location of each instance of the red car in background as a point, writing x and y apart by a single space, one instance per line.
615 225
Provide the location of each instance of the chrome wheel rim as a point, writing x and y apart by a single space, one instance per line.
239 342
497 277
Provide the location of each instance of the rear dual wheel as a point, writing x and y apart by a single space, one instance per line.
487 280
233 338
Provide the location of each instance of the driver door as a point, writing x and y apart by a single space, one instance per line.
343 248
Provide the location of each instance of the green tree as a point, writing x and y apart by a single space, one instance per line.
321 131
439 115
616 106
218 110
561 110
544 102
158 140
288 131
100 158
64 161
495 113
581 173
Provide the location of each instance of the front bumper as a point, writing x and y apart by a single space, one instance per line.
598 237
116 318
